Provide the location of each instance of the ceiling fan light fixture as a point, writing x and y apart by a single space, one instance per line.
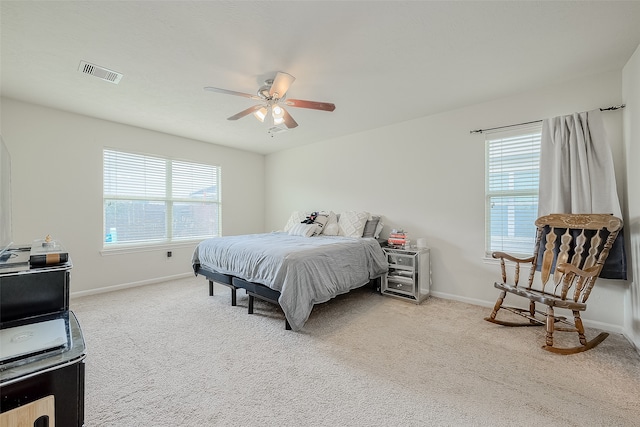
278 114
277 111
261 114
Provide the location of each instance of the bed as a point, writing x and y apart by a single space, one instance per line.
294 271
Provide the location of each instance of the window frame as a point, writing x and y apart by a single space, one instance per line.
169 240
501 135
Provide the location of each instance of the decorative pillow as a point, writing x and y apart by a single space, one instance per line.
370 226
331 228
321 219
351 223
296 218
379 228
304 230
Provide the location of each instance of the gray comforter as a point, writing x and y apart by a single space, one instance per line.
305 270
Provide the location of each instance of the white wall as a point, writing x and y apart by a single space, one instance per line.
631 97
427 176
424 175
57 190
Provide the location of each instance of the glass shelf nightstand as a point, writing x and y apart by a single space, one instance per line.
409 275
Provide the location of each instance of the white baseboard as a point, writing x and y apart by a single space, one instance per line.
129 285
482 303
626 334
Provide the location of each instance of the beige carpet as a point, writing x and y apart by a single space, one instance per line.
170 355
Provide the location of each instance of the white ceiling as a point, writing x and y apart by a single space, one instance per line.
380 62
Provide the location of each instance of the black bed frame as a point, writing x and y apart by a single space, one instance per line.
254 290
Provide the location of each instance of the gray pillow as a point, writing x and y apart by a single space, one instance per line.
370 226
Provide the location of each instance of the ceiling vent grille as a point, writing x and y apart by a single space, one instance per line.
100 72
276 129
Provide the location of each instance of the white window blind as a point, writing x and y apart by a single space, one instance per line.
156 200
511 196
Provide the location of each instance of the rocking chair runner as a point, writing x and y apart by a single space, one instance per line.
573 248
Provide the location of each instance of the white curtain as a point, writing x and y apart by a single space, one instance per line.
577 175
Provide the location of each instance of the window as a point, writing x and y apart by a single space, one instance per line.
511 192
156 200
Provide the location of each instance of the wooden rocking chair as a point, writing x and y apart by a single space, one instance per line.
573 248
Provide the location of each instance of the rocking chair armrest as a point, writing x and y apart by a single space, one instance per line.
565 268
504 255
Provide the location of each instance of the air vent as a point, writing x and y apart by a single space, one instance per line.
276 129
100 72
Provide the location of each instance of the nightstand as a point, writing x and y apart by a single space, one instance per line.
409 275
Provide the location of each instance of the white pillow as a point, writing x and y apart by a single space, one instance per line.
322 219
296 218
351 223
305 230
331 227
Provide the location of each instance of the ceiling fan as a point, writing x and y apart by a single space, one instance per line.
273 99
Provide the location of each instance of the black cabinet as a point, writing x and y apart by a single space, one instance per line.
65 384
60 374
33 297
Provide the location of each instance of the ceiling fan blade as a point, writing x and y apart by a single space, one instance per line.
288 120
314 105
246 112
231 92
281 84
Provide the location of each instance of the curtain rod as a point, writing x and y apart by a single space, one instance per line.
612 108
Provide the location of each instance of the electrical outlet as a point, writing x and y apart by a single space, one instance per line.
169 254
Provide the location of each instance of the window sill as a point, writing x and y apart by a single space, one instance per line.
119 250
